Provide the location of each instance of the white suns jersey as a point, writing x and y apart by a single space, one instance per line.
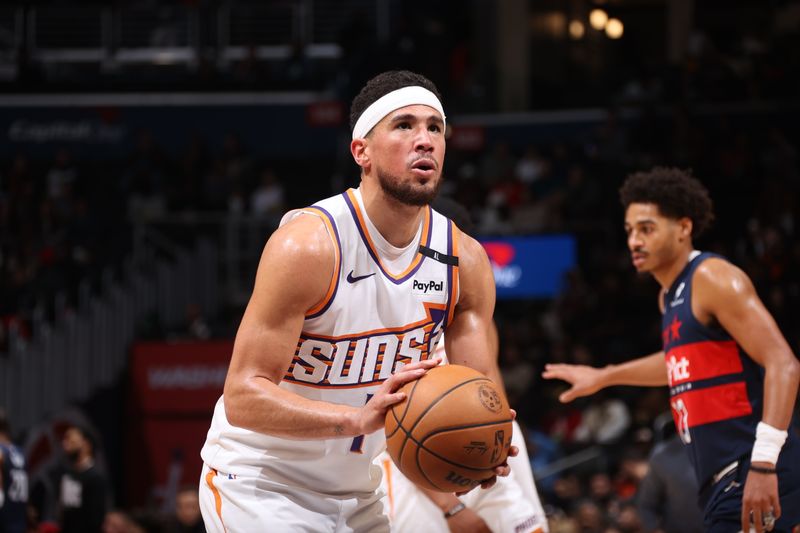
371 322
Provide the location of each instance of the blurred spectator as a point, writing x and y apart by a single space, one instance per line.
13 482
591 518
268 198
517 372
186 518
628 520
198 325
121 522
84 492
604 420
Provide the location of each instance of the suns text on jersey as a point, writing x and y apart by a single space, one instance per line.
359 360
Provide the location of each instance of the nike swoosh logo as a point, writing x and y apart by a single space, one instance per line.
352 279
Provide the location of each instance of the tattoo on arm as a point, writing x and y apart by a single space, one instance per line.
338 429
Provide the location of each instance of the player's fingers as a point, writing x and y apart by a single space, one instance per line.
426 364
388 400
745 518
513 451
401 378
759 525
503 470
568 395
489 483
552 372
776 506
513 414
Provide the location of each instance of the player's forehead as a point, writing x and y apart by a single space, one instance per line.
414 112
643 213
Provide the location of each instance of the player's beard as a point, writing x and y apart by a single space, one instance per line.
405 192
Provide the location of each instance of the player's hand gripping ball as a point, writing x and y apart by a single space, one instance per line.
451 431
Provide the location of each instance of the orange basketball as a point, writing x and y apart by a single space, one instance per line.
452 429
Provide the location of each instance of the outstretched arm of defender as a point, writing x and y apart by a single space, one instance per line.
293 276
648 371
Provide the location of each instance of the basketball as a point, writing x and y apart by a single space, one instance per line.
451 431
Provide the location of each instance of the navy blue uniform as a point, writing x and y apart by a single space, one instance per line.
13 512
716 394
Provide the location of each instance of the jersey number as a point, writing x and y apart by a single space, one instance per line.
358 442
18 491
682 420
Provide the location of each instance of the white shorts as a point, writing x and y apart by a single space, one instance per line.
510 506
242 504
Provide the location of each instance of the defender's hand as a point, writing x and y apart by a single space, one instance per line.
760 503
585 380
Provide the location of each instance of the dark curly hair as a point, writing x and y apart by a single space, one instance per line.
385 83
675 191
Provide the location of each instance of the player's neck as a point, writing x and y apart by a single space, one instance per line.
667 275
397 222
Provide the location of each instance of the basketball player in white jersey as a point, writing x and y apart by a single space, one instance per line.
350 298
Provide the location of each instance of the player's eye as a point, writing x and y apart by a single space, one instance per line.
403 126
434 128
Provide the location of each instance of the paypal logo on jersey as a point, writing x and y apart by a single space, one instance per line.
427 287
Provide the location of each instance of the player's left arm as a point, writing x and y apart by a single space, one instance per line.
724 293
470 339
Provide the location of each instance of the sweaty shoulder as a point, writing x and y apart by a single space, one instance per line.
474 269
300 253
717 282
718 274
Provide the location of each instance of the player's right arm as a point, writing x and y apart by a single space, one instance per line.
293 276
647 371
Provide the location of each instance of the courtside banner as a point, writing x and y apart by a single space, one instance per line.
172 392
178 378
532 266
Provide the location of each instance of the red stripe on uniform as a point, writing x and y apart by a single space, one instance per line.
702 360
712 404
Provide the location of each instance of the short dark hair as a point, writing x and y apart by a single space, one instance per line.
383 84
87 434
675 192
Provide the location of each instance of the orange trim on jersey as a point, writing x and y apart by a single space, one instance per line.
452 299
387 470
337 260
371 333
362 223
217 496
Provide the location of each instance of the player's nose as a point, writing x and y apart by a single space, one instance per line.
423 140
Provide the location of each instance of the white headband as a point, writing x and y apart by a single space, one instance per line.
412 95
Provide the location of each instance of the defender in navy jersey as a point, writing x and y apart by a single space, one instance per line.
13 483
732 376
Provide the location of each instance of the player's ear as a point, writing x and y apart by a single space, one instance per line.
358 148
685 228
